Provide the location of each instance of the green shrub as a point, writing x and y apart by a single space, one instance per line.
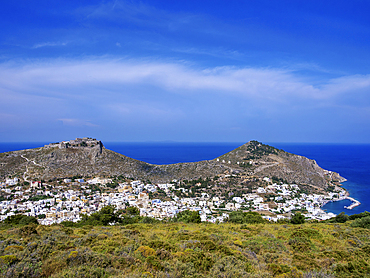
149 220
230 267
341 218
297 218
12 248
318 274
28 230
201 260
187 216
8 259
300 244
153 262
20 219
160 244
163 254
250 217
362 222
101 218
84 271
278 269
358 268
359 215
69 224
29 268
146 251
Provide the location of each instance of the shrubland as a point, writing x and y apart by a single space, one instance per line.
140 247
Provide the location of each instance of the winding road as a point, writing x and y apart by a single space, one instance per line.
25 173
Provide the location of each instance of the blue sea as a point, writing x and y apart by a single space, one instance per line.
350 161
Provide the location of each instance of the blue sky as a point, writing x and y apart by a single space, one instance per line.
198 71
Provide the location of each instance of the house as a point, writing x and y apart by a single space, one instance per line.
230 206
11 181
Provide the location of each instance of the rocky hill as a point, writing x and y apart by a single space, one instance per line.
88 157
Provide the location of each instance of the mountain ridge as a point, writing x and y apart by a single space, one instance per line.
89 157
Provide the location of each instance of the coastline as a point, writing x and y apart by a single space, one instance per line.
354 204
346 196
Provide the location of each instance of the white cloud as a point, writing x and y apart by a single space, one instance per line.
69 90
54 76
138 95
48 44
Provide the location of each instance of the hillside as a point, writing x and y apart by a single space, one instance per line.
88 157
311 250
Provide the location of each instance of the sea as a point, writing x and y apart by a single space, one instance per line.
351 161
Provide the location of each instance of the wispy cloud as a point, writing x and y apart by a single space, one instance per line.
49 44
178 78
77 122
136 94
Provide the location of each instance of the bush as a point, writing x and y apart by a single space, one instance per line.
102 218
187 216
341 218
28 230
20 219
202 261
25 268
8 259
146 251
84 271
229 267
240 217
69 224
362 222
318 274
149 220
13 248
277 269
359 215
297 218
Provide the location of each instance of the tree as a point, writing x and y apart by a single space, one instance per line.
297 218
341 218
133 211
103 217
20 219
236 217
250 217
187 216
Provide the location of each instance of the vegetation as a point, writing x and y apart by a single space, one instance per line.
177 249
108 216
257 150
39 197
241 217
187 216
297 218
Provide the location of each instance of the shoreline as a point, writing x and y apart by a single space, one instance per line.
354 203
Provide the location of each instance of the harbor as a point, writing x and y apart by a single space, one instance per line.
355 203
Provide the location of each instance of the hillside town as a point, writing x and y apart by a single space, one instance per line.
68 199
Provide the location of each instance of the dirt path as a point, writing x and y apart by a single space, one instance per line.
25 173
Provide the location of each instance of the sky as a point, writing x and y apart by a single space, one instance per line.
186 71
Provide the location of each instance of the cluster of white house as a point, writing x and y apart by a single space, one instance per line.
67 205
